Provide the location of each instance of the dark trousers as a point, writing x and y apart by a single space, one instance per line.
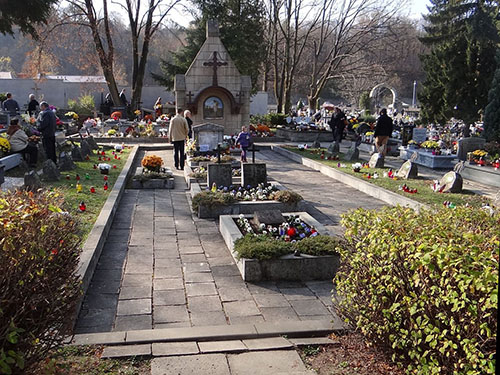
31 151
178 154
49 145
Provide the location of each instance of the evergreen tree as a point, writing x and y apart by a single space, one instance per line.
24 14
241 24
460 66
492 111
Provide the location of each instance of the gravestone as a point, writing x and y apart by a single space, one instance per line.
41 153
76 153
253 174
66 162
268 217
92 143
408 170
419 135
353 153
50 171
452 182
334 148
376 161
466 145
4 118
316 144
220 174
208 136
32 181
85 148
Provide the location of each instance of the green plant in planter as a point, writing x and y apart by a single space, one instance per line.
287 196
319 245
424 285
211 199
152 176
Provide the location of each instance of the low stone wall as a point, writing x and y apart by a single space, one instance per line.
484 175
130 140
363 186
304 136
288 267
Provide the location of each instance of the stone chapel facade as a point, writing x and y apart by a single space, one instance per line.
212 88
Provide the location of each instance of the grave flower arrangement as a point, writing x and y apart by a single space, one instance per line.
152 163
430 145
260 193
72 114
4 145
291 230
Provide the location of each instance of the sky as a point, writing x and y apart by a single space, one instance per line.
418 7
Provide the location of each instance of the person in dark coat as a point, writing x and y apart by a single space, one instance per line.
187 116
32 105
10 105
337 124
47 127
123 98
383 131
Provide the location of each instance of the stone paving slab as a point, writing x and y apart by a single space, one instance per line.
126 351
267 363
206 364
175 348
270 343
222 346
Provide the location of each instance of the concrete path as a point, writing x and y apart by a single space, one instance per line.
162 268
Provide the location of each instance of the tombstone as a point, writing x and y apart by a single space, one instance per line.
50 171
66 162
268 217
466 145
41 153
92 143
452 182
76 153
208 136
316 144
253 174
408 170
4 118
334 148
85 148
419 135
32 181
376 161
220 174
352 154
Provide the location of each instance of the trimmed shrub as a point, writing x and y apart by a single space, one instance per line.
211 199
318 245
39 289
424 285
287 196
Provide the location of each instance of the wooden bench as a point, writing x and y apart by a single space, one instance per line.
11 161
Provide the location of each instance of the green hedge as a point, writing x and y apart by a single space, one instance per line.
263 247
424 285
39 287
211 199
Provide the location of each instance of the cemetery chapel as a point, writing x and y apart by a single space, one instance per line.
213 89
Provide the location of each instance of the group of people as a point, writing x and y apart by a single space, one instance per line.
383 128
19 140
11 106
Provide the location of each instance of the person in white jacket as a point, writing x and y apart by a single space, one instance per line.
19 143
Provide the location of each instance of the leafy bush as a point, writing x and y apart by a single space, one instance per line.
287 196
38 284
85 104
270 119
263 247
3 97
152 176
367 118
211 199
424 285
318 245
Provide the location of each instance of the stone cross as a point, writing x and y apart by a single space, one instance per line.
215 63
190 95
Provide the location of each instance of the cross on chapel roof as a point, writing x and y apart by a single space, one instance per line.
215 63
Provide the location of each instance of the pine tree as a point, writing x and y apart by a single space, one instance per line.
241 24
460 66
492 111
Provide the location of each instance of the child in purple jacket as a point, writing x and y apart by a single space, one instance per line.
244 141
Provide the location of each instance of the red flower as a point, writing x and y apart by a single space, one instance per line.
54 252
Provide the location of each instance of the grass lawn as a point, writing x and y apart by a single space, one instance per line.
85 360
424 194
88 177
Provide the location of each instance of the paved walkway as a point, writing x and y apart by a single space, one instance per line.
163 268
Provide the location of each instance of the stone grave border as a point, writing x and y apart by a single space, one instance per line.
242 207
304 136
92 248
484 175
426 159
363 186
154 183
287 267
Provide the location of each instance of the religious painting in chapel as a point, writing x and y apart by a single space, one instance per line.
213 108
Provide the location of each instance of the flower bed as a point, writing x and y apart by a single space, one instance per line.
271 256
211 203
153 175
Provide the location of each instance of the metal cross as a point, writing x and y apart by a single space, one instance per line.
189 95
218 153
215 63
253 153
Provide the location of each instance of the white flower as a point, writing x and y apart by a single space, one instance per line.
241 216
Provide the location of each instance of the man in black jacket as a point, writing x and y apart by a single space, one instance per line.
337 124
383 131
47 127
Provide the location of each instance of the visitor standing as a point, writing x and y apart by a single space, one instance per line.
244 141
19 143
177 133
383 131
10 105
47 127
337 124
32 105
187 116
